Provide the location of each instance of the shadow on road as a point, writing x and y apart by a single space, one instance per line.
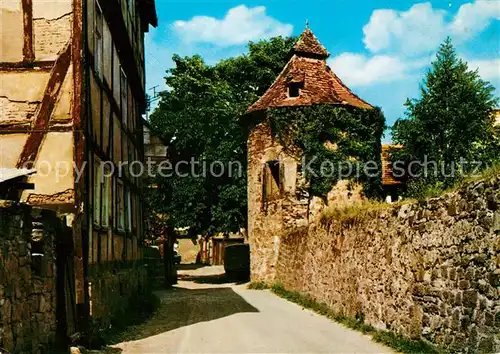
215 279
190 266
181 307
107 350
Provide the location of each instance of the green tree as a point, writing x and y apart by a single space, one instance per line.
452 120
199 116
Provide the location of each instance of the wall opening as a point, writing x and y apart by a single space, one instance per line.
271 183
37 258
37 249
294 89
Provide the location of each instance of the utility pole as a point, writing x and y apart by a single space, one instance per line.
151 99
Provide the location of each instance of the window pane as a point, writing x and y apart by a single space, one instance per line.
98 39
123 96
120 206
106 196
128 210
97 192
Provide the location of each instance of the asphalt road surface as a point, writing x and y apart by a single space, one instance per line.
205 315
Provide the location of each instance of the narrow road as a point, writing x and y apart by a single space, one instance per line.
205 315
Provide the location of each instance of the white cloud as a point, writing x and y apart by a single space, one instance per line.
488 69
240 25
404 42
358 70
473 18
422 28
419 29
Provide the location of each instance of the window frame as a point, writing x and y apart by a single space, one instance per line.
98 39
96 191
123 96
120 206
106 196
128 210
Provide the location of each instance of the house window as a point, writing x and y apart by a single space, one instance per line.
123 96
97 181
98 40
120 206
128 211
132 173
294 89
130 109
271 182
106 196
134 212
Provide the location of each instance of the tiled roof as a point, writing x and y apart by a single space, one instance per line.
320 84
308 44
388 178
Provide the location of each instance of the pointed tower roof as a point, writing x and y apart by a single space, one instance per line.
309 45
311 78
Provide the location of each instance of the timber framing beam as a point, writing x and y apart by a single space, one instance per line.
21 127
27 66
28 50
42 117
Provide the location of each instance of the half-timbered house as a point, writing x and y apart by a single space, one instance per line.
72 92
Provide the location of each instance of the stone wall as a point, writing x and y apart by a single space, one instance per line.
112 293
428 270
27 282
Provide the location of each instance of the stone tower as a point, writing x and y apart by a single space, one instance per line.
276 201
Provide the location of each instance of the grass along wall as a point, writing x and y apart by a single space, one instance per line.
424 270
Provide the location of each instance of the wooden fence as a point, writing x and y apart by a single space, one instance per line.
212 250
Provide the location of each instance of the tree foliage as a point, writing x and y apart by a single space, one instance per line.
452 120
199 118
336 142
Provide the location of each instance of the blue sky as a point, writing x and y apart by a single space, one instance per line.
380 49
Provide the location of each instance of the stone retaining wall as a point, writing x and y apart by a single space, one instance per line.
27 282
428 270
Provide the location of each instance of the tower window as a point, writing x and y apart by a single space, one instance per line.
294 89
271 181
